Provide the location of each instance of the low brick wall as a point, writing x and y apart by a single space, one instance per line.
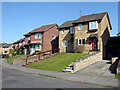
18 60
88 61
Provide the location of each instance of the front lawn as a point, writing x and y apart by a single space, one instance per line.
58 62
10 59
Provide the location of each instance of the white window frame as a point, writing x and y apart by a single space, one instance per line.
37 35
29 37
81 42
71 30
64 43
21 43
53 37
63 30
95 25
80 28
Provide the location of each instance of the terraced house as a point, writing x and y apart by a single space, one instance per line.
19 44
87 33
44 37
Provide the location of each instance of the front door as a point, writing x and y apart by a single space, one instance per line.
95 44
33 49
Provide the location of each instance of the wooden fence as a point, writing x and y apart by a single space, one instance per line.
40 55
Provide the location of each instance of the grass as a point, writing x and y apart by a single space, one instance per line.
58 62
117 76
10 59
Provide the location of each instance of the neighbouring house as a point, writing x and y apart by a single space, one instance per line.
118 34
44 37
4 48
87 33
1 48
19 44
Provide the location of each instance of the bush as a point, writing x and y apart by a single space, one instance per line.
19 52
7 56
41 51
80 49
13 54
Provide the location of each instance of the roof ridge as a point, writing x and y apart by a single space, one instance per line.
94 14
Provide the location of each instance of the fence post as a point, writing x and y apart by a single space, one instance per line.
26 60
39 57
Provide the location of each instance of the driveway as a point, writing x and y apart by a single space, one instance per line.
98 69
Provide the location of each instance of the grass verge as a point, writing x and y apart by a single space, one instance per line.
117 76
58 62
10 59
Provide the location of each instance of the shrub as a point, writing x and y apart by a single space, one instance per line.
7 56
41 51
80 49
18 51
13 54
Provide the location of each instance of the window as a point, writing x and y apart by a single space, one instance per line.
20 43
81 41
53 37
64 43
71 30
93 25
29 37
37 35
63 31
80 27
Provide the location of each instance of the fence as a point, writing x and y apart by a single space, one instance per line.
40 55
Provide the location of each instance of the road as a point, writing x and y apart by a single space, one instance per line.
17 79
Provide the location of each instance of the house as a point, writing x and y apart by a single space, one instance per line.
19 44
118 34
5 48
1 47
44 37
87 33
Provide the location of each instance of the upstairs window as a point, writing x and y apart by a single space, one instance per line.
64 43
29 37
63 31
80 27
37 35
20 43
53 37
81 41
71 30
93 25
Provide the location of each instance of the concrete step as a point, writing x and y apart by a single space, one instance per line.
70 68
67 70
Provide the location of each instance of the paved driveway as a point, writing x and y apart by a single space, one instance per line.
98 69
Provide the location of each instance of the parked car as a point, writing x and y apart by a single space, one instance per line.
3 55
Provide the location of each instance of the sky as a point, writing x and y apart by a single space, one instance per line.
19 18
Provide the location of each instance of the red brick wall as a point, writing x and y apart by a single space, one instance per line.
33 38
48 38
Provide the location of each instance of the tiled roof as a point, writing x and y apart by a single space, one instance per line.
19 40
92 17
41 29
67 24
6 45
86 18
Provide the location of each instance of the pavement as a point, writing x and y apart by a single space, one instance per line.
77 77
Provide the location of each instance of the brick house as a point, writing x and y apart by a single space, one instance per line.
44 37
4 48
87 33
19 44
